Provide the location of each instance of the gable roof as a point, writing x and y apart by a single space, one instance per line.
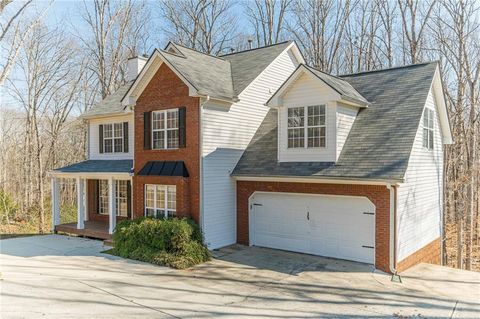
247 65
344 89
221 78
380 141
210 75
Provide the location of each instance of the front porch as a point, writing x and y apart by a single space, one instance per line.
104 196
92 229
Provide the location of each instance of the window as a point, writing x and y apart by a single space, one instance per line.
428 129
165 129
113 138
160 201
103 197
306 127
121 194
121 197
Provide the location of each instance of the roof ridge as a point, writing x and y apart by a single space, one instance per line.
329 74
210 55
388 69
253 49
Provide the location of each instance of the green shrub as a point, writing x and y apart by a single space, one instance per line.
173 242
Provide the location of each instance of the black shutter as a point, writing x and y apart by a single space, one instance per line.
147 132
182 131
125 137
129 199
100 138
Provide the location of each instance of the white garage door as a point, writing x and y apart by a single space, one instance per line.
332 226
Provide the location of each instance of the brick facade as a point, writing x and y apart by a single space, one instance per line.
378 195
167 91
430 254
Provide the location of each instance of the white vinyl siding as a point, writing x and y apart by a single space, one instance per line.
93 138
419 208
226 131
345 117
308 91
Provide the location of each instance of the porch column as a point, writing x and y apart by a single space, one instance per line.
80 204
55 203
111 205
85 198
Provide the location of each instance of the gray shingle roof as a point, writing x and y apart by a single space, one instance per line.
379 144
247 65
210 75
345 89
98 166
222 77
111 104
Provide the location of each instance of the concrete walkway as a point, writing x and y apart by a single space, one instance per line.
65 277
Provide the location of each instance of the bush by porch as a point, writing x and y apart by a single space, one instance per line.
172 242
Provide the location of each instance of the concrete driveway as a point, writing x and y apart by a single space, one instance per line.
65 277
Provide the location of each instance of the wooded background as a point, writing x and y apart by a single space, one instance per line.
53 68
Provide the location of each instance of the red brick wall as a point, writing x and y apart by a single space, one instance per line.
379 195
166 91
429 254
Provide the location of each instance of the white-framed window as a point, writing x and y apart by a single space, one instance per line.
160 200
428 117
103 196
113 138
165 133
306 126
121 197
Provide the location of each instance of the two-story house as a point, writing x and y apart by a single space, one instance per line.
261 149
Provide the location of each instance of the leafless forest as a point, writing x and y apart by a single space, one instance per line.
53 68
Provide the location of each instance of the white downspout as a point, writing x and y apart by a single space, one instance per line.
391 256
202 219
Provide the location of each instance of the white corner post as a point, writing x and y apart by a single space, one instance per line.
85 199
111 205
55 203
80 204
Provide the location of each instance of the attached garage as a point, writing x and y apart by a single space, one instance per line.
325 225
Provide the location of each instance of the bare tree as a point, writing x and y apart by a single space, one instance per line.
267 18
415 16
204 25
318 26
115 30
15 28
50 76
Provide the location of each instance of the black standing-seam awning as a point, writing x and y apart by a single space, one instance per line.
164 168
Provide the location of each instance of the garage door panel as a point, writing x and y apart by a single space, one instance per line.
332 226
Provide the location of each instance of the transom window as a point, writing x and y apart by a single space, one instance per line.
113 138
121 194
160 201
306 126
428 129
165 129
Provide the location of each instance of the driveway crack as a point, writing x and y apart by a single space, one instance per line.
128 300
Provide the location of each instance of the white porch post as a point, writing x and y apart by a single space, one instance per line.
80 204
111 205
55 203
85 198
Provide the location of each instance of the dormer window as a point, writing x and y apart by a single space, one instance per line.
428 129
306 127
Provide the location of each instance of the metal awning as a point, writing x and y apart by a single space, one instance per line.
164 168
